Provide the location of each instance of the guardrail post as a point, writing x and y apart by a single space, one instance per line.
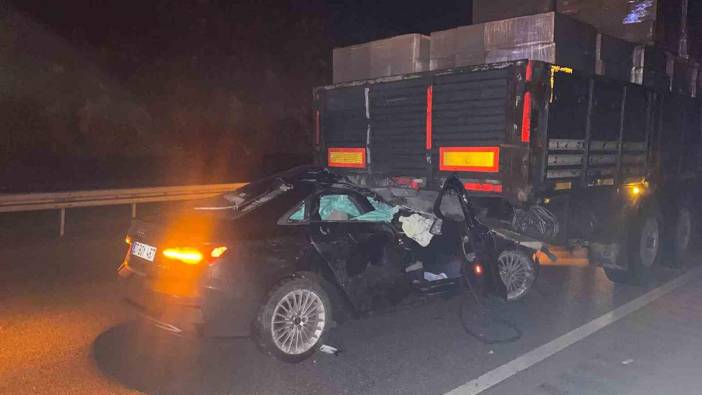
62 222
133 210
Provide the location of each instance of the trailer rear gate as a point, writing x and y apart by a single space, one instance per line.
404 122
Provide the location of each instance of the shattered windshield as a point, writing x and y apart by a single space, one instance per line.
249 196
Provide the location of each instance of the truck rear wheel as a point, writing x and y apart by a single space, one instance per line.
683 232
642 250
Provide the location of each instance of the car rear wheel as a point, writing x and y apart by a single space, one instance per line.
294 320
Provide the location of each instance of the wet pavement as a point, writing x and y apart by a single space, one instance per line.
64 329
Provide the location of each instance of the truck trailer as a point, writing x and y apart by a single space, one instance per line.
550 152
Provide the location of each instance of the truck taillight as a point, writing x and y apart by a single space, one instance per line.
483 187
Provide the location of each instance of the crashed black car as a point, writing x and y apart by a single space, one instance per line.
281 258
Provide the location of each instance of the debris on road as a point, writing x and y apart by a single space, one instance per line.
627 361
329 350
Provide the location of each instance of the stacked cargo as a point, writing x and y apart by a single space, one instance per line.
613 57
641 41
404 54
462 46
548 37
650 22
660 26
652 68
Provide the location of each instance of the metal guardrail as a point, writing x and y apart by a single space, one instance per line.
107 197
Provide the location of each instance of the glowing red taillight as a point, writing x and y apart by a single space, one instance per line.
483 187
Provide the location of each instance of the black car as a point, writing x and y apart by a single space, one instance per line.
281 258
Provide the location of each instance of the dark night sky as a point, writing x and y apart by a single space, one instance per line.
127 22
96 87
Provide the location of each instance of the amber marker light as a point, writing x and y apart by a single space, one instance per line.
218 252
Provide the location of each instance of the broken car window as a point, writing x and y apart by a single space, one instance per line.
383 212
337 208
298 215
255 194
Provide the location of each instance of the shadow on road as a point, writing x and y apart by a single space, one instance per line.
148 360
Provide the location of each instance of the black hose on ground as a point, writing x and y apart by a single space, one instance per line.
489 315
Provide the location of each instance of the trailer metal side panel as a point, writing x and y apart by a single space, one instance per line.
343 120
398 127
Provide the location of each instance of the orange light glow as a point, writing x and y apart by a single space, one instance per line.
478 269
187 255
128 240
218 252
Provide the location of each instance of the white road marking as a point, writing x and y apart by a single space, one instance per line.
539 354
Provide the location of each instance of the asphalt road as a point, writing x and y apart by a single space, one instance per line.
64 329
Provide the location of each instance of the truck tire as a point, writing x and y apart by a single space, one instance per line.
683 233
294 320
642 250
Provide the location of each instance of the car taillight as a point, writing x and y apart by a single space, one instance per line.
187 255
193 256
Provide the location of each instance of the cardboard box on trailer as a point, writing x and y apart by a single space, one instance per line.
613 57
398 55
549 37
462 46
651 22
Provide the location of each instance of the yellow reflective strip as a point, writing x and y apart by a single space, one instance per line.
342 157
469 159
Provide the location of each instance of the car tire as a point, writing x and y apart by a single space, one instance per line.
518 272
294 320
642 249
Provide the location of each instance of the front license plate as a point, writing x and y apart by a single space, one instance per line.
144 251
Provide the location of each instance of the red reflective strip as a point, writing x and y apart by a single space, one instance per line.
482 187
526 118
529 70
429 111
317 131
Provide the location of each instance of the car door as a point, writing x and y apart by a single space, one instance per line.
361 254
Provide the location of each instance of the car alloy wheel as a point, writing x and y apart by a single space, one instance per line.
518 273
298 321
